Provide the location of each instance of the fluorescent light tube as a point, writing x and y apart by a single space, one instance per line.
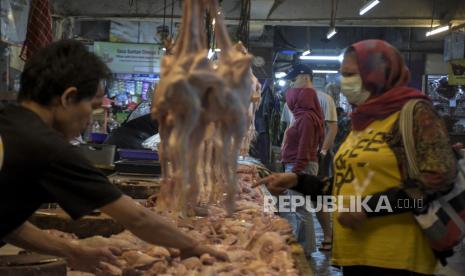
217 50
210 54
368 6
306 53
279 75
332 32
438 30
325 71
323 58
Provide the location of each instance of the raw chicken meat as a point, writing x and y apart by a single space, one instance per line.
266 245
241 255
206 259
127 237
157 269
256 242
99 241
138 259
176 106
159 252
107 269
203 114
255 102
234 66
192 263
78 273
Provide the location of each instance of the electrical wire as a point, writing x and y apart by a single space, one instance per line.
432 16
172 18
334 6
159 10
243 30
333 2
209 29
164 14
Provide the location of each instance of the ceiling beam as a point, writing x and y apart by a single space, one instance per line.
321 22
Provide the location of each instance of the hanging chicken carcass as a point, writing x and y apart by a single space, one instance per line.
235 68
177 107
202 113
254 104
253 108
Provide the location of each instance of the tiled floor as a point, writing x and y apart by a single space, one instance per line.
456 264
320 261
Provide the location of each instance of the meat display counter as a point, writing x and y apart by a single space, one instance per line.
257 242
136 186
32 265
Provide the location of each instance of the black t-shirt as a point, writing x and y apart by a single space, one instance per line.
40 166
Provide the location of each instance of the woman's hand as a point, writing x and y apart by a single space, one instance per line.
352 220
278 183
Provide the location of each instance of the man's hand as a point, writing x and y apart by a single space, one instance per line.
79 257
88 259
154 229
198 250
352 219
278 183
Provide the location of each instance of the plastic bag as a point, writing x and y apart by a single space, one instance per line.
152 142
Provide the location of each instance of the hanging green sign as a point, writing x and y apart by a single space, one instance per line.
130 58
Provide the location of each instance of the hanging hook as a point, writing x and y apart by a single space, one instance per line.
172 18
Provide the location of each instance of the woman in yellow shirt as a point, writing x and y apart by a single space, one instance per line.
371 161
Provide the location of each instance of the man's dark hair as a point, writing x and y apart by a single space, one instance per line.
299 69
58 66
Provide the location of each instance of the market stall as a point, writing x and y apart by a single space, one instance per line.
252 238
217 206
190 89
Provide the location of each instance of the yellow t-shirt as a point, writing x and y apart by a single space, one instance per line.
366 165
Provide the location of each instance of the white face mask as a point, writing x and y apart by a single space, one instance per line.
352 88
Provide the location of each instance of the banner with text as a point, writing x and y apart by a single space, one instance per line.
130 58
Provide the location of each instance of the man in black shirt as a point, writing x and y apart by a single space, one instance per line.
60 86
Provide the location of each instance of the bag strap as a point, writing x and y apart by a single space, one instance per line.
406 130
450 211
